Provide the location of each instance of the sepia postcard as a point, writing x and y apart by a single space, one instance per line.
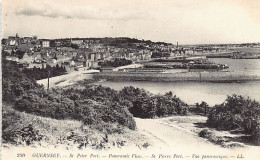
130 79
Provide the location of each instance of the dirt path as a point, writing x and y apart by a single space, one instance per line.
166 135
173 138
67 79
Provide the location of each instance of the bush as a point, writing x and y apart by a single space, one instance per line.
27 135
83 110
205 133
146 105
237 113
201 108
15 84
109 128
143 108
42 73
92 105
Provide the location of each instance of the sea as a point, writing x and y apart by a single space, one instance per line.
196 92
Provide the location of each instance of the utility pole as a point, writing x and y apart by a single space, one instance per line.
48 85
205 110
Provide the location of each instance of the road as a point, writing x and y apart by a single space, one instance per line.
67 79
170 138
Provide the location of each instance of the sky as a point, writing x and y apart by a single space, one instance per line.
183 21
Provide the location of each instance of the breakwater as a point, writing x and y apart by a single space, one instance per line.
223 77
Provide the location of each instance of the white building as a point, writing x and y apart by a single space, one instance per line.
45 43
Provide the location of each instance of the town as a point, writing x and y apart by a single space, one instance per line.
77 54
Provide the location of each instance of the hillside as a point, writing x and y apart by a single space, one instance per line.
27 106
22 129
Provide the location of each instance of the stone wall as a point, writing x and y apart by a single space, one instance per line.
172 77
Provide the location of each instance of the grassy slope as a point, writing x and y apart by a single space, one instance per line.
66 134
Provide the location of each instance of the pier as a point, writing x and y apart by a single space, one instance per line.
222 77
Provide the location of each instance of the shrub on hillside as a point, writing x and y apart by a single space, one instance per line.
15 84
143 108
9 117
237 113
22 134
93 114
27 135
138 101
42 73
88 111
205 133
146 105
30 97
202 108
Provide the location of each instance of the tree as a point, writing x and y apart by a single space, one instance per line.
74 46
19 54
143 107
204 105
34 37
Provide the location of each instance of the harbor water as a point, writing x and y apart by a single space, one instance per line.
212 93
